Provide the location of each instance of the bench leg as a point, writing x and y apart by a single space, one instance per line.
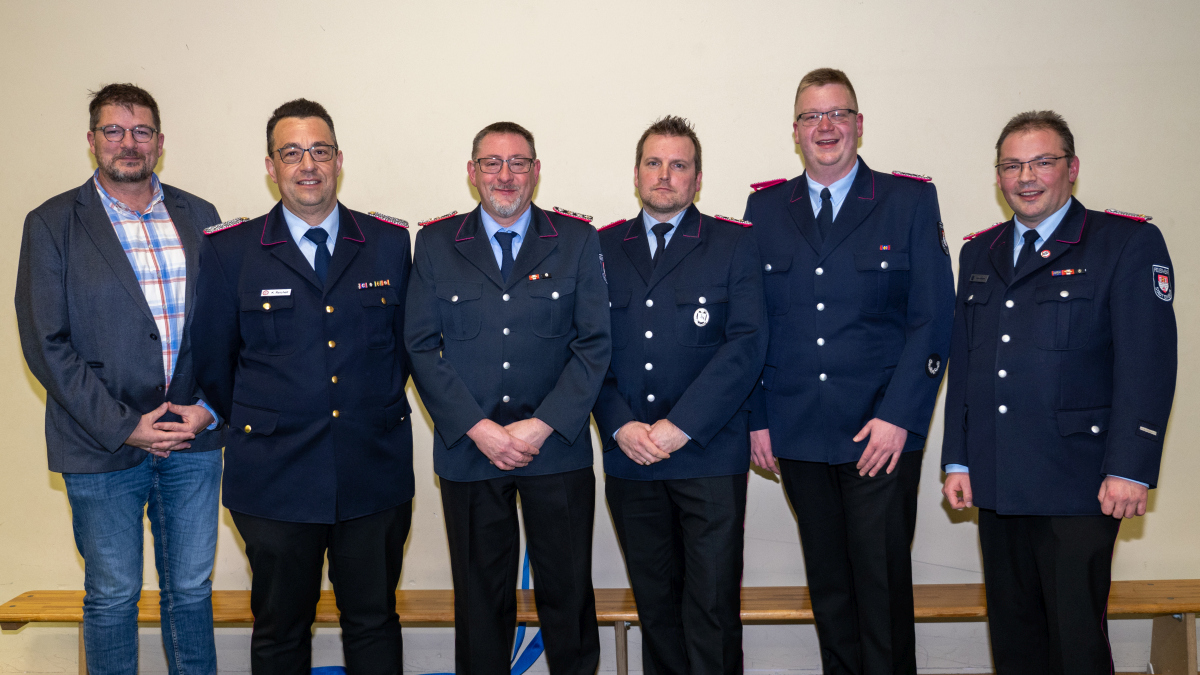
82 653
621 628
1173 644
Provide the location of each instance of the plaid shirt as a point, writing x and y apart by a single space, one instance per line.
152 245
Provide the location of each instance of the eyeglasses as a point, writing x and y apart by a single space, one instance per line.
320 152
1039 165
116 133
494 164
839 116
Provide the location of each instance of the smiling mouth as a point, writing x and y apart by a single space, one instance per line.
827 143
1030 194
308 182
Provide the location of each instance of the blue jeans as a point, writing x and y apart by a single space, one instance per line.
180 496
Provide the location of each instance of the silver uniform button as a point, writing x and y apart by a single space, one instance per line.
703 300
883 264
971 297
1003 409
820 342
505 399
610 304
506 331
820 307
454 298
554 295
649 334
1004 338
506 364
1095 430
1003 373
649 366
504 297
820 271
650 398
649 303
1064 293
1009 304
823 377
767 267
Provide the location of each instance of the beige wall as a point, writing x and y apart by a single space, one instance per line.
408 85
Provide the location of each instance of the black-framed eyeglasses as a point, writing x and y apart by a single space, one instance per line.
1039 165
494 164
116 133
838 116
320 152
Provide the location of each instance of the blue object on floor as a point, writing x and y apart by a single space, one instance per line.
329 670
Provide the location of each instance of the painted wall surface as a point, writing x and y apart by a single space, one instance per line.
408 85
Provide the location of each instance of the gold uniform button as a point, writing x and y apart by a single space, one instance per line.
332 344
336 414
266 305
329 309
334 379
247 428
383 301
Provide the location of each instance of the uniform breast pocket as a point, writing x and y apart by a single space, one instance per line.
775 282
268 323
976 315
883 280
1065 314
700 315
458 303
618 311
379 310
553 306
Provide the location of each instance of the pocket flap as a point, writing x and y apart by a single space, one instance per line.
773 264
256 302
618 299
253 420
701 295
459 291
379 297
881 261
395 413
1064 292
978 296
1093 421
551 288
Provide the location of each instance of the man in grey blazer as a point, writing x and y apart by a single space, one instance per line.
104 298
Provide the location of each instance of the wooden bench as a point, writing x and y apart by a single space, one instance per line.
1172 605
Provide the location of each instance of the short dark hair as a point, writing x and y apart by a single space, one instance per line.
300 107
823 76
1039 119
123 94
669 125
503 128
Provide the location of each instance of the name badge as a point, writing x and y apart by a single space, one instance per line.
272 292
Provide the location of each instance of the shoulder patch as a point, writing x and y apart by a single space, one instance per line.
735 221
391 220
914 176
572 214
613 224
431 221
986 229
213 229
1139 217
767 183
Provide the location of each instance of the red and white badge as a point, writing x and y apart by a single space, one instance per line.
1162 283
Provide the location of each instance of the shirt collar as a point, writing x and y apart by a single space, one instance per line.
298 227
837 191
114 203
1047 226
520 227
650 221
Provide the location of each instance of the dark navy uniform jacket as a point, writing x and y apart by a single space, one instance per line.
1065 373
536 346
860 323
310 377
689 339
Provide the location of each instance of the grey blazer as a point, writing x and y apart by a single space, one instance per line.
88 334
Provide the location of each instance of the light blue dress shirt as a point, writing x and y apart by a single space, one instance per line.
650 222
837 191
307 246
520 228
1044 230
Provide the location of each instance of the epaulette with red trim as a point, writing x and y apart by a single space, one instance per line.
391 220
213 229
986 229
767 183
572 214
613 224
1139 217
735 221
913 176
431 221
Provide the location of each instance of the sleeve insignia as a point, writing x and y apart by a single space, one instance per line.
735 221
613 224
398 222
1139 217
914 176
431 221
767 183
213 229
986 229
572 214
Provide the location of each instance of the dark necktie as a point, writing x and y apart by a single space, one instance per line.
825 217
319 236
505 239
660 233
1026 251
